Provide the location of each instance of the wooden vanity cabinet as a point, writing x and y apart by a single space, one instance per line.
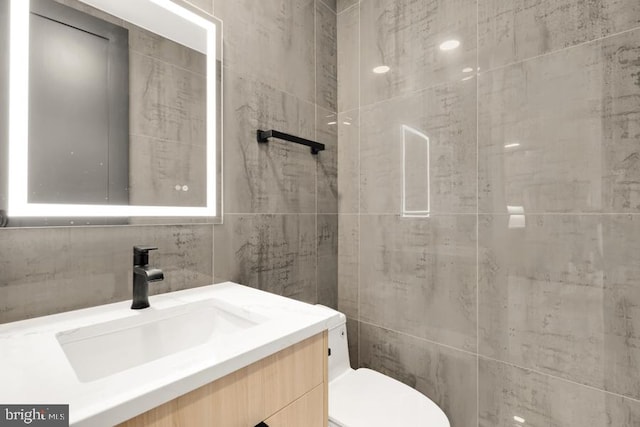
286 389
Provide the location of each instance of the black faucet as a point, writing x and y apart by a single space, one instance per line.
142 275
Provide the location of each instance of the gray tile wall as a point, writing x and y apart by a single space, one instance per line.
519 295
279 72
281 227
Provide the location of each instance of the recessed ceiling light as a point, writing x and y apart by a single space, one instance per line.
381 69
467 70
449 45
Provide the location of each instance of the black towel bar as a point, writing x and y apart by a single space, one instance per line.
264 135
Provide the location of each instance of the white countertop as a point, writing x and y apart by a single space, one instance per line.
35 370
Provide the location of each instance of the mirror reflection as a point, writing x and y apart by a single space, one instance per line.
121 116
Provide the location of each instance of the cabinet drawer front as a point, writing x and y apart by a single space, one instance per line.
249 395
306 411
289 374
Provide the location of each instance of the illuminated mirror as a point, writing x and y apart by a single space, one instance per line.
160 157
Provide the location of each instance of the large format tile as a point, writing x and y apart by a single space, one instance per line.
575 116
349 162
405 35
442 122
272 42
326 57
49 270
327 161
559 294
327 270
446 376
348 34
510 31
418 276
275 253
269 178
506 392
348 275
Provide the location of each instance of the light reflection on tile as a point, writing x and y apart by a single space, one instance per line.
418 276
560 296
559 133
509 394
388 27
512 31
447 116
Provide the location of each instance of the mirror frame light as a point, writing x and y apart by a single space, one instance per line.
18 204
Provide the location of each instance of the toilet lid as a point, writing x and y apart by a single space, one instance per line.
366 398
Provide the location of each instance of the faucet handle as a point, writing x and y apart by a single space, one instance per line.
143 249
141 254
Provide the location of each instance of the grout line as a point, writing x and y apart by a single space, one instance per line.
479 356
358 65
477 213
169 140
167 62
357 3
563 213
497 214
213 254
271 213
455 82
566 380
436 343
315 130
255 78
329 7
315 57
432 214
594 41
414 92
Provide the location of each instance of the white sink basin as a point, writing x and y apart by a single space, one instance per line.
104 349
111 363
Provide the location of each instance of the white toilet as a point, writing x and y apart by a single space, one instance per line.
366 398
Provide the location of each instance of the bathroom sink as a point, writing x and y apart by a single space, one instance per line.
111 363
104 349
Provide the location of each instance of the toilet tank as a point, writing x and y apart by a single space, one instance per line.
338 344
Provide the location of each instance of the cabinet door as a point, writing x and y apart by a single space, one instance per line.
251 394
306 411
